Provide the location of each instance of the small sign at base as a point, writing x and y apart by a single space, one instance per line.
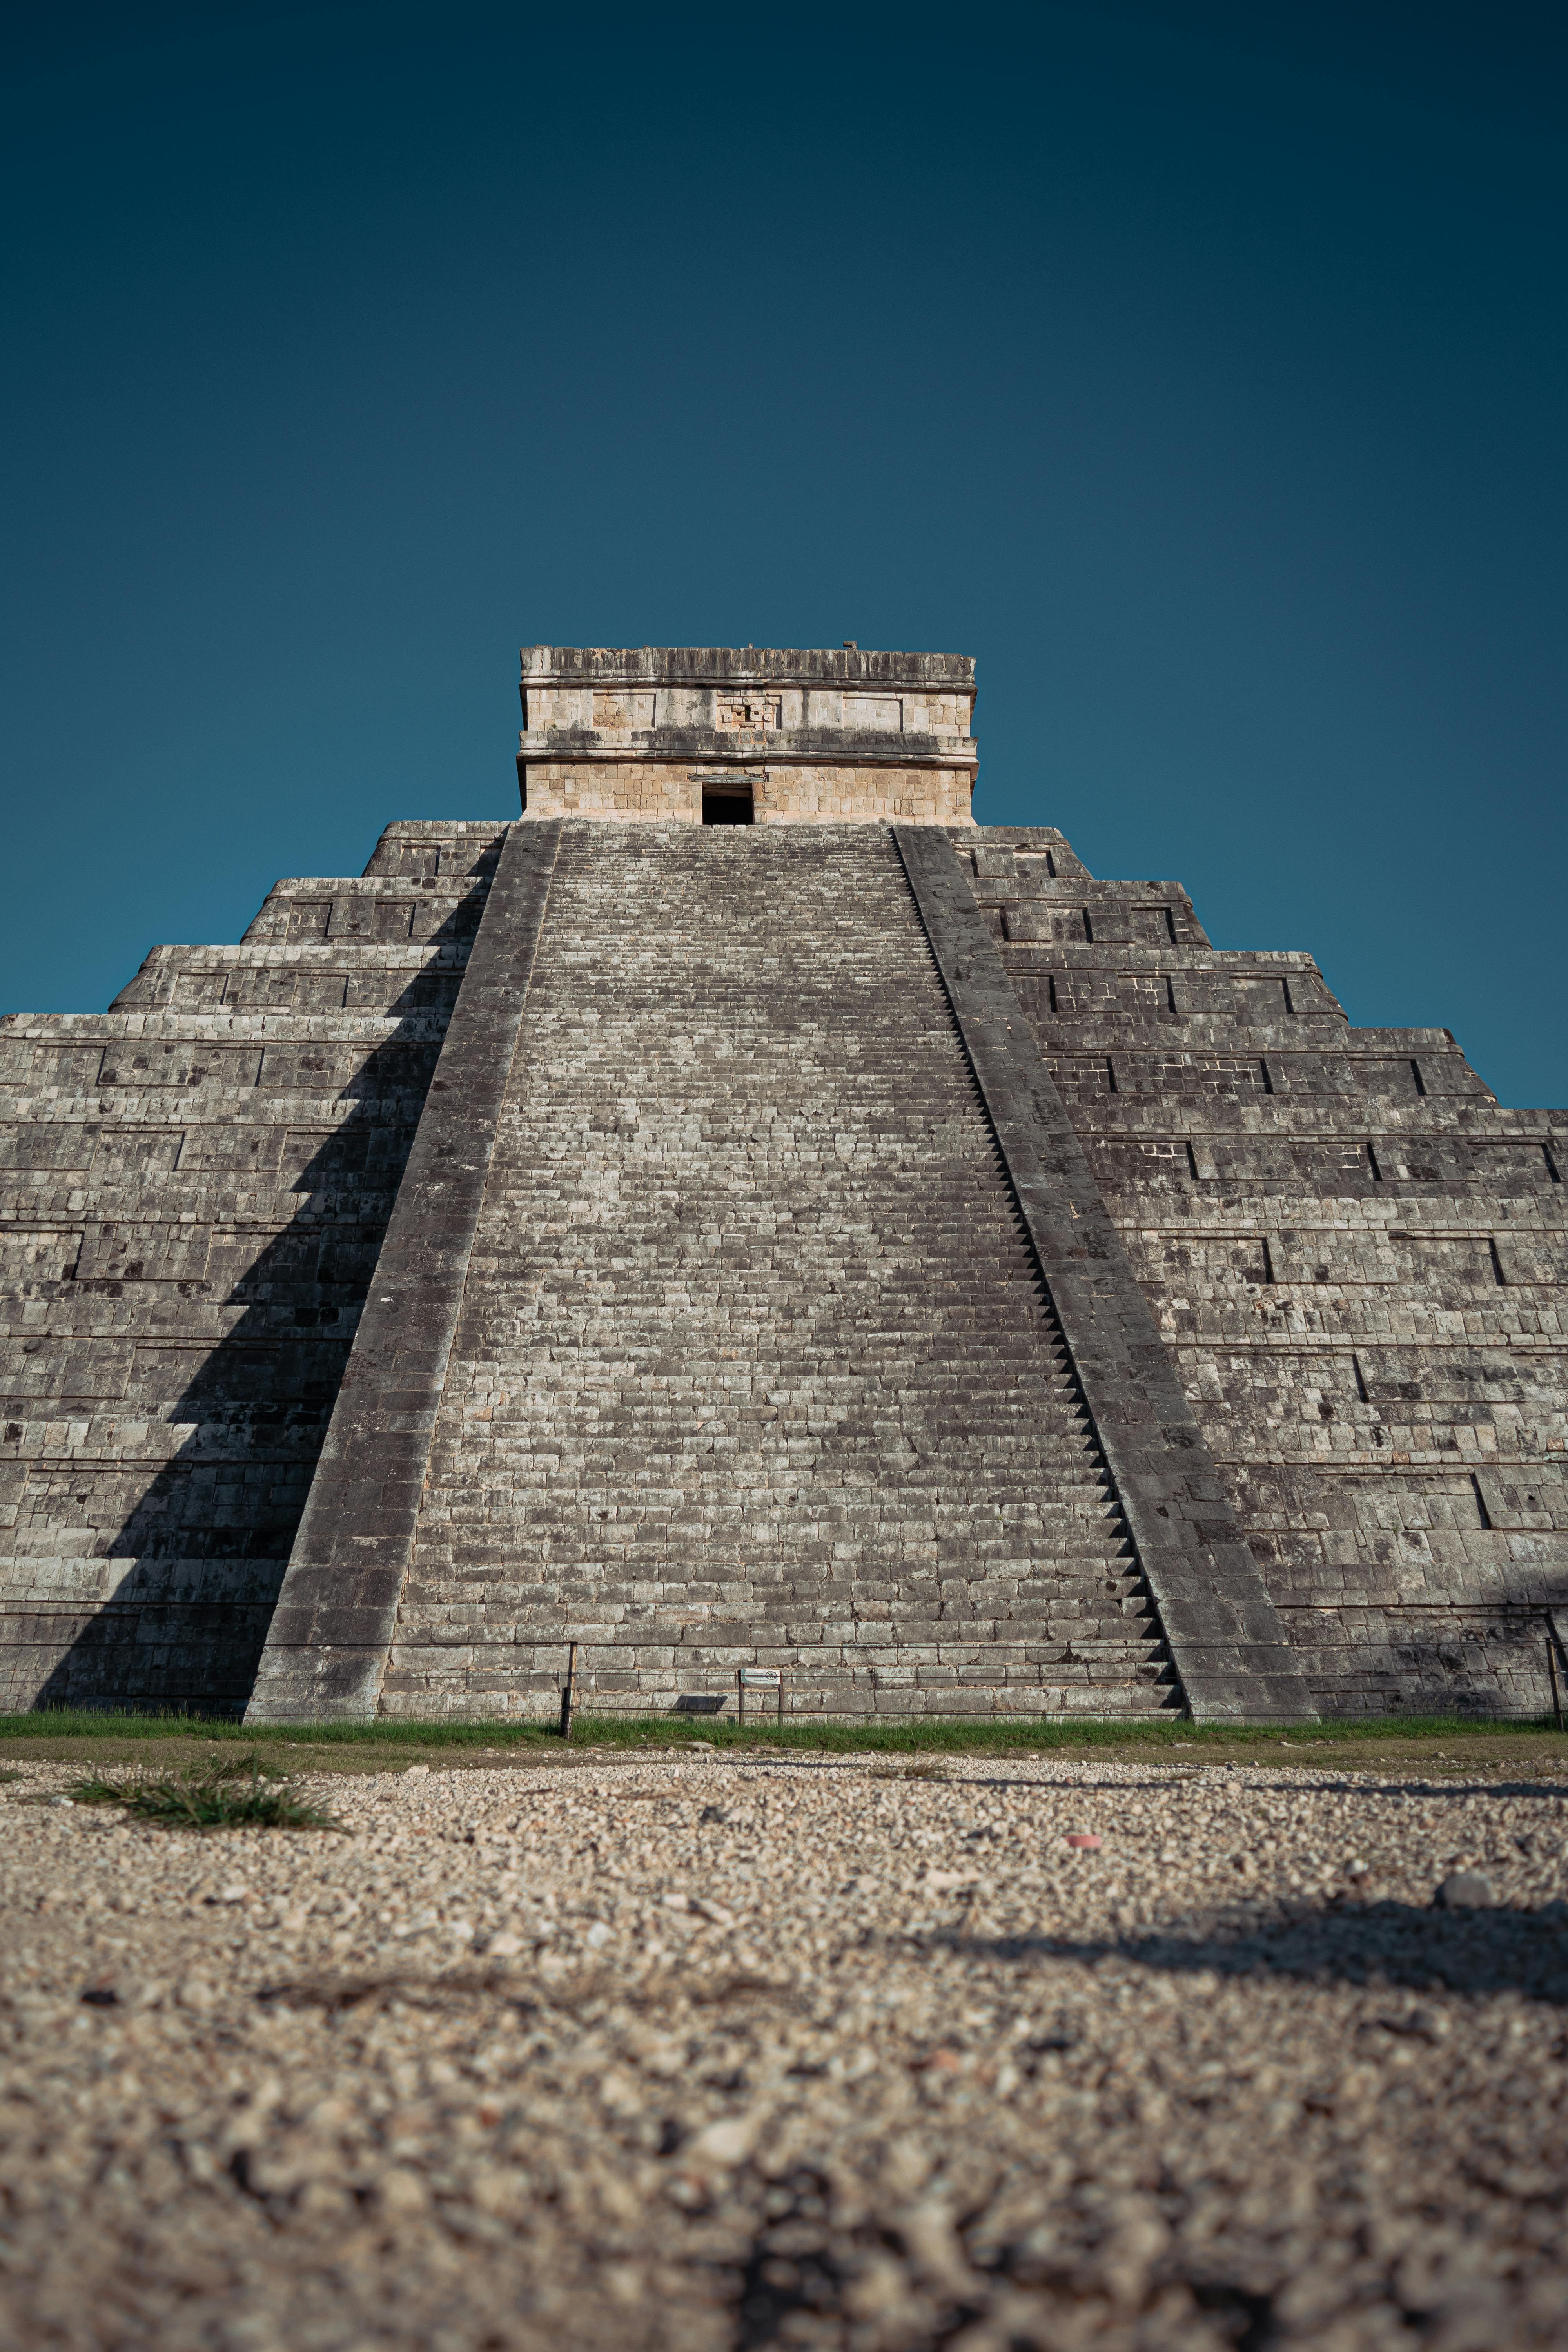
761 1677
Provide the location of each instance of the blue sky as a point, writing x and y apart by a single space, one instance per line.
1198 368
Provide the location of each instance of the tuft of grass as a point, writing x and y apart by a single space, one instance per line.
239 1794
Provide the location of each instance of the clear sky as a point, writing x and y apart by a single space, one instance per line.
1199 368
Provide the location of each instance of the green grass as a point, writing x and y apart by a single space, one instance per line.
237 1794
913 1737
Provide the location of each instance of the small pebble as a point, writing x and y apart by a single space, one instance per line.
1465 1890
1085 1840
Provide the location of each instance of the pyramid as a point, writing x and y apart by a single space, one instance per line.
745 1220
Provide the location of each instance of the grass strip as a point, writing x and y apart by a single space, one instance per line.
952 1736
239 1794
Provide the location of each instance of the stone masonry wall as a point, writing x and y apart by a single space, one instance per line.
1358 1263
753 1366
192 1189
824 794
822 736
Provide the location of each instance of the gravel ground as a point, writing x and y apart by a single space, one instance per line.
706 2055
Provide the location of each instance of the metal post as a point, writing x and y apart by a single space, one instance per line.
741 1693
781 1701
1551 1672
569 1693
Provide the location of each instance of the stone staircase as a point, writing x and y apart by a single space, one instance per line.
753 1366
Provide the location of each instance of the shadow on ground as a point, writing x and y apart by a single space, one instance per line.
1374 1943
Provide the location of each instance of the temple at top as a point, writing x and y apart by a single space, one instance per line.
719 735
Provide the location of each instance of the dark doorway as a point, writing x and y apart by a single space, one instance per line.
726 804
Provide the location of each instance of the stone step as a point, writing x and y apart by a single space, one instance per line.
352 976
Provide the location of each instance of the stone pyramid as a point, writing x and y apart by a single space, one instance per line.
743 1219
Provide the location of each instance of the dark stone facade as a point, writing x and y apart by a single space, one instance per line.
884 1253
